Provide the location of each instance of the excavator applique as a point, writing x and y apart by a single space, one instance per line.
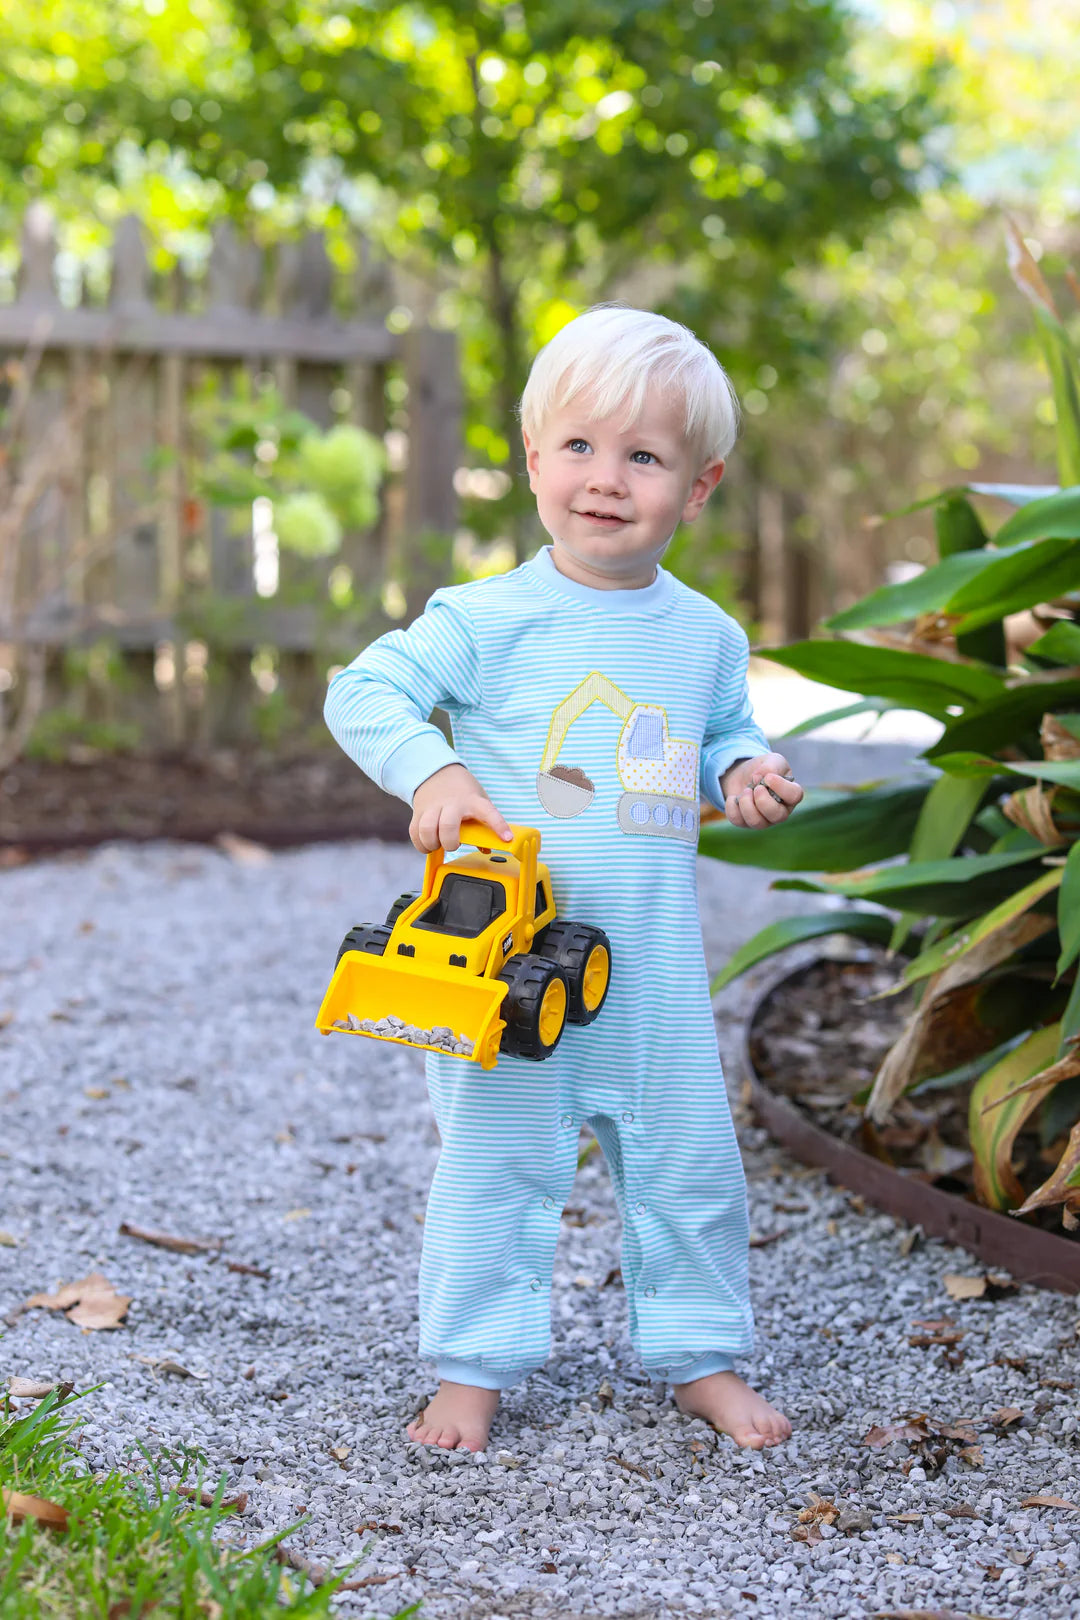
477 964
659 773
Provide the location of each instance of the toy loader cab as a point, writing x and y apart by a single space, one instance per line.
475 964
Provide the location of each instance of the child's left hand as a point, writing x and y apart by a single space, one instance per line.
760 792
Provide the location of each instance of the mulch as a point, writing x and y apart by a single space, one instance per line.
819 1039
275 798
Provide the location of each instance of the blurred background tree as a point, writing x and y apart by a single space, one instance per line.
810 185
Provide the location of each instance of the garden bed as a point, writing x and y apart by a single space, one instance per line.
278 798
813 1044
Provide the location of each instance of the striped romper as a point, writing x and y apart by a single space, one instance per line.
597 716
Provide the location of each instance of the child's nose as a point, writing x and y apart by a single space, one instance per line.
606 480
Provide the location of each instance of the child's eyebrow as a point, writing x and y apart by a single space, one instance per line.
638 437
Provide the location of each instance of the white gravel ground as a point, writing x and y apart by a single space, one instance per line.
161 1068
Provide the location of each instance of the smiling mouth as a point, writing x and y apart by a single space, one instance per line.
604 517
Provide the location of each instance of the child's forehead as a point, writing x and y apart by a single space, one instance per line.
663 414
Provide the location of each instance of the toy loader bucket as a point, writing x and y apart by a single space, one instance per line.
372 986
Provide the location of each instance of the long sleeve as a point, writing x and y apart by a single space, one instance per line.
377 708
732 732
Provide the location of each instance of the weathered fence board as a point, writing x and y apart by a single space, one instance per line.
117 548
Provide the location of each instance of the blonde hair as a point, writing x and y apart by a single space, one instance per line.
615 353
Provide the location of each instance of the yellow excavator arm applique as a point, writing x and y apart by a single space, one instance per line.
658 772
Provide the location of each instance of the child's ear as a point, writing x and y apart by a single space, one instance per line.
532 459
700 490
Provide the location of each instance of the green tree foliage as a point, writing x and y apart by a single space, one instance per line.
525 160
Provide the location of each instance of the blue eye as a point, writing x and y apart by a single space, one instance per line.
643 453
574 442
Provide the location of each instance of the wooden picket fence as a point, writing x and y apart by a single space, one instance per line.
117 558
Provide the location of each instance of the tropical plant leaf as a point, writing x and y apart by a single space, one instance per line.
967 763
943 820
997 1111
928 592
951 1026
1058 352
1008 925
912 680
1063 1185
1055 517
1060 644
960 887
833 829
1068 911
1047 570
848 712
873 925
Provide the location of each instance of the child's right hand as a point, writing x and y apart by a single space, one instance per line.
443 802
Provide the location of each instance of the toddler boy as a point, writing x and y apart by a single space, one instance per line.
594 696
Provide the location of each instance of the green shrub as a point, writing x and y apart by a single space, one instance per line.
985 909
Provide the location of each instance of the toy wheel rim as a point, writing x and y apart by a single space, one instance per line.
595 981
553 1012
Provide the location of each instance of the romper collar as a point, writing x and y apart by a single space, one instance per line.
646 599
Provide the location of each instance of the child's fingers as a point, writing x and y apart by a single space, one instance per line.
486 812
783 789
770 806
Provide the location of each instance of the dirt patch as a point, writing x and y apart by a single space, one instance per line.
276 798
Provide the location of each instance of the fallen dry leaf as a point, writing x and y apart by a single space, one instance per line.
1005 1415
761 1240
165 1240
925 1614
246 1270
35 1389
8 1240
818 1512
340 1452
92 1302
20 1507
165 1364
244 851
605 1395
962 1287
1049 1501
296 1215
96 1093
904 1518
233 1504
962 1510
913 1427
5 1017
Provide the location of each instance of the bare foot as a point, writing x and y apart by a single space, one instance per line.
458 1417
731 1406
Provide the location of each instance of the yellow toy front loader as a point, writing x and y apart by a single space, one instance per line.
475 964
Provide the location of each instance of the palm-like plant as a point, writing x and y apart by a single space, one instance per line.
985 909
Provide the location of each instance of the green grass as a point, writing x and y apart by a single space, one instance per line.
134 1548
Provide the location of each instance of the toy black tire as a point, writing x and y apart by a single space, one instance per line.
399 905
370 938
535 1003
574 946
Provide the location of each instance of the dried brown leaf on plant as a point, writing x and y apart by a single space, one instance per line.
20 1507
165 1240
1025 271
92 1302
1057 743
1032 809
1063 1185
